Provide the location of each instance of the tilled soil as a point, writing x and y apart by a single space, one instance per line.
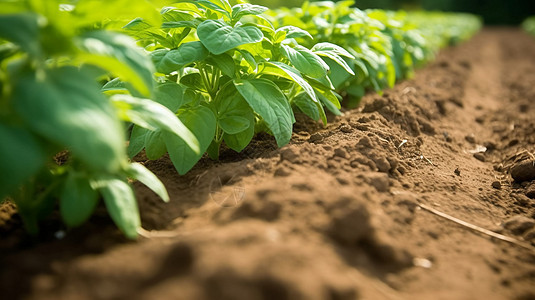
366 208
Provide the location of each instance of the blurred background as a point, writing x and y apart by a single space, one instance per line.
494 12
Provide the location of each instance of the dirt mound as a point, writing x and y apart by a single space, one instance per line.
337 214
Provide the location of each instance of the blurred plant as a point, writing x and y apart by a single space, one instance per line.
52 55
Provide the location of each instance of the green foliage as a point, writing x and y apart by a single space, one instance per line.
529 25
370 50
238 74
52 57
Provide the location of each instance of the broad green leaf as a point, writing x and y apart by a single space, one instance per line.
338 75
23 30
218 37
170 95
330 101
294 32
153 116
333 48
239 141
131 65
295 76
336 58
114 86
167 61
193 80
141 173
267 100
181 24
243 9
225 63
305 61
309 108
154 145
233 124
137 140
66 107
233 112
202 122
78 200
21 156
137 24
121 204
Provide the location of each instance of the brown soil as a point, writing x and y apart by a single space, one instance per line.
340 213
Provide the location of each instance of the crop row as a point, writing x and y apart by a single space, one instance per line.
200 73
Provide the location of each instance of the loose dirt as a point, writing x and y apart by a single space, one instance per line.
350 211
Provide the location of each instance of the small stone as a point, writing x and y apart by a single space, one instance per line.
346 129
497 185
290 153
340 152
479 156
470 138
382 164
457 172
365 142
379 181
523 171
316 137
282 172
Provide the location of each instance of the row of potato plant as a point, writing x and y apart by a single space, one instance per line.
242 69
53 56
209 73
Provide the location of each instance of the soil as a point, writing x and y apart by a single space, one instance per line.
360 209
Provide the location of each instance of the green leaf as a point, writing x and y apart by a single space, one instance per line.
269 102
294 32
309 108
243 9
239 141
137 140
219 37
118 54
78 200
153 116
121 204
333 48
295 76
233 124
66 107
305 61
154 145
21 157
221 6
167 61
170 95
337 59
225 63
202 122
23 30
141 173
330 101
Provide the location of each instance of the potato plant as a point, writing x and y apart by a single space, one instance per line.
52 56
228 73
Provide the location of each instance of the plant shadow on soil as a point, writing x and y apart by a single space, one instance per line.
335 214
